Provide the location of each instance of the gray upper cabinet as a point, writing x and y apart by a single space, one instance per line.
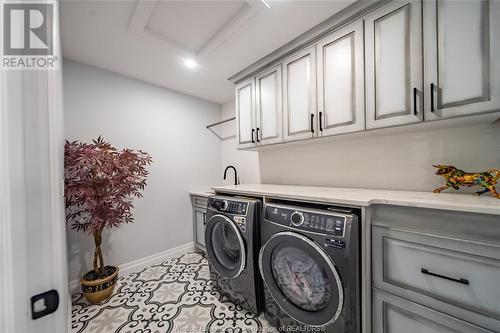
341 81
393 50
269 122
299 95
462 38
400 62
245 113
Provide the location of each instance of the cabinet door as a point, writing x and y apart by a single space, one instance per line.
392 314
245 113
269 122
393 45
199 220
462 57
299 95
341 87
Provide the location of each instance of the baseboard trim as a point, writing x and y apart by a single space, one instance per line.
139 264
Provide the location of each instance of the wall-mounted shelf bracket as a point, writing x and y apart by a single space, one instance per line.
211 126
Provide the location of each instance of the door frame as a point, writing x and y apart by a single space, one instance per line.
45 87
6 278
15 233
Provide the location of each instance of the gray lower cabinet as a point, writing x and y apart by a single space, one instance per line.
450 273
394 314
199 220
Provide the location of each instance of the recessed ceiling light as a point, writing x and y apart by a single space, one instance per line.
190 63
266 3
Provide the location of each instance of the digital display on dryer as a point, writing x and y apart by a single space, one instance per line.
317 222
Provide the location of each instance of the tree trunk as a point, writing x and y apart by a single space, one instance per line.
98 260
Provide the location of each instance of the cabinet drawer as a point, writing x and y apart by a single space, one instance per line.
392 314
453 275
200 201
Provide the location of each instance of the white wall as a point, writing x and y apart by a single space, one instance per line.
168 125
246 162
397 161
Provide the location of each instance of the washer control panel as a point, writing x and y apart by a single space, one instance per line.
228 206
310 220
297 218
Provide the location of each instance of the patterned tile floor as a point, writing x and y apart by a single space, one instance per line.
174 296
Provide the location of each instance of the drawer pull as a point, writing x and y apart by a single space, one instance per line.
432 98
415 92
460 280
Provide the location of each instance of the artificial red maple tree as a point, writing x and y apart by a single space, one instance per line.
101 182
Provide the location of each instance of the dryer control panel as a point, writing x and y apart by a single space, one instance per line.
311 220
228 206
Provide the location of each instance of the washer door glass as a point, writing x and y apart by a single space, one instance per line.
302 279
225 247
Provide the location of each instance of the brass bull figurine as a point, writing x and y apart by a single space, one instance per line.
455 178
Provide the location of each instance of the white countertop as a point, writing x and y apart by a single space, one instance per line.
201 193
367 197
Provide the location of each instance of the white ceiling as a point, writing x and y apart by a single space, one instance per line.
149 40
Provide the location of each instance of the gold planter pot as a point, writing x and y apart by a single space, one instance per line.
99 289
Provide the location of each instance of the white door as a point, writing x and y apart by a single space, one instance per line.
341 85
32 222
299 96
245 113
462 57
393 46
269 124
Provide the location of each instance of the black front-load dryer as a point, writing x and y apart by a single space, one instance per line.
309 261
232 243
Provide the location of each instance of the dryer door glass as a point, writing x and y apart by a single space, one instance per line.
225 247
302 279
